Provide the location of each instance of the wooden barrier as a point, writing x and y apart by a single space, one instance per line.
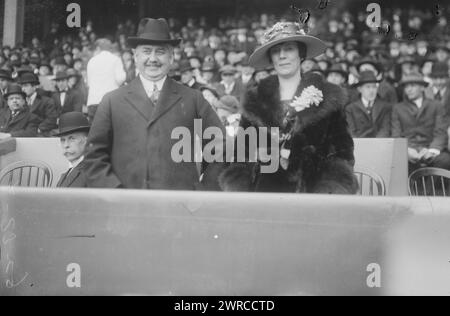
387 157
86 242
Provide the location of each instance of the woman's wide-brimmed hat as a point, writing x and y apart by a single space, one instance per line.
153 32
72 122
413 78
281 33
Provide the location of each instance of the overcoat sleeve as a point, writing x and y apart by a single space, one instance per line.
98 158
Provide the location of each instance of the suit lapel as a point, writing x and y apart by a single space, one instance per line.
422 109
376 110
35 104
138 99
168 98
364 110
69 178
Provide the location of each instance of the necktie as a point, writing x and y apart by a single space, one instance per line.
438 96
155 94
63 97
369 107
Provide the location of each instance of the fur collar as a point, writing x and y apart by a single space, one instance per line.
262 106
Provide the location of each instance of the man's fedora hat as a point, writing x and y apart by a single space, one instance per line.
369 61
338 68
14 89
185 65
61 75
72 122
228 70
151 32
283 32
440 70
366 76
6 74
413 78
28 77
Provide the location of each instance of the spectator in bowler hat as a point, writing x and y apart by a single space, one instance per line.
73 133
16 120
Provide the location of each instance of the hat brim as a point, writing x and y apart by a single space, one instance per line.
29 81
440 75
72 130
61 78
361 83
378 67
314 47
134 42
341 72
419 82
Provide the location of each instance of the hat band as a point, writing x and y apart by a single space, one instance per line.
154 37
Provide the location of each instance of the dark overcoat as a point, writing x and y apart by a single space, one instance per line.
25 124
321 159
130 141
374 124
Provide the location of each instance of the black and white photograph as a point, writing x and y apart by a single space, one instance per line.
224 154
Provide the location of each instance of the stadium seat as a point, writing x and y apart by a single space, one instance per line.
27 174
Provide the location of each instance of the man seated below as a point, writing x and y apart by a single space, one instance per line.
16 120
422 122
369 117
73 133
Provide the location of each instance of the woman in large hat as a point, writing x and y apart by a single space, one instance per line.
316 149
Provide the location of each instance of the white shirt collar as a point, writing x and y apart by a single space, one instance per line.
32 98
148 85
76 163
366 102
191 83
419 102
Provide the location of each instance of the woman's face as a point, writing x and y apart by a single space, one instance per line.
286 59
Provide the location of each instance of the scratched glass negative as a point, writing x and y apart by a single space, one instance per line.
7 230
198 147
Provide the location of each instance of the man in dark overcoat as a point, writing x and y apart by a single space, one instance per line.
136 127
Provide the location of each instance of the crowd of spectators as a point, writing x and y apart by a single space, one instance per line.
383 71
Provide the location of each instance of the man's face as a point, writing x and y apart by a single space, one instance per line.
414 91
369 91
73 145
336 78
3 83
62 84
208 75
16 102
286 59
72 81
441 55
28 89
440 83
186 77
307 66
154 61
228 78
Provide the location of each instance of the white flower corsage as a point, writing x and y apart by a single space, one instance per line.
310 96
